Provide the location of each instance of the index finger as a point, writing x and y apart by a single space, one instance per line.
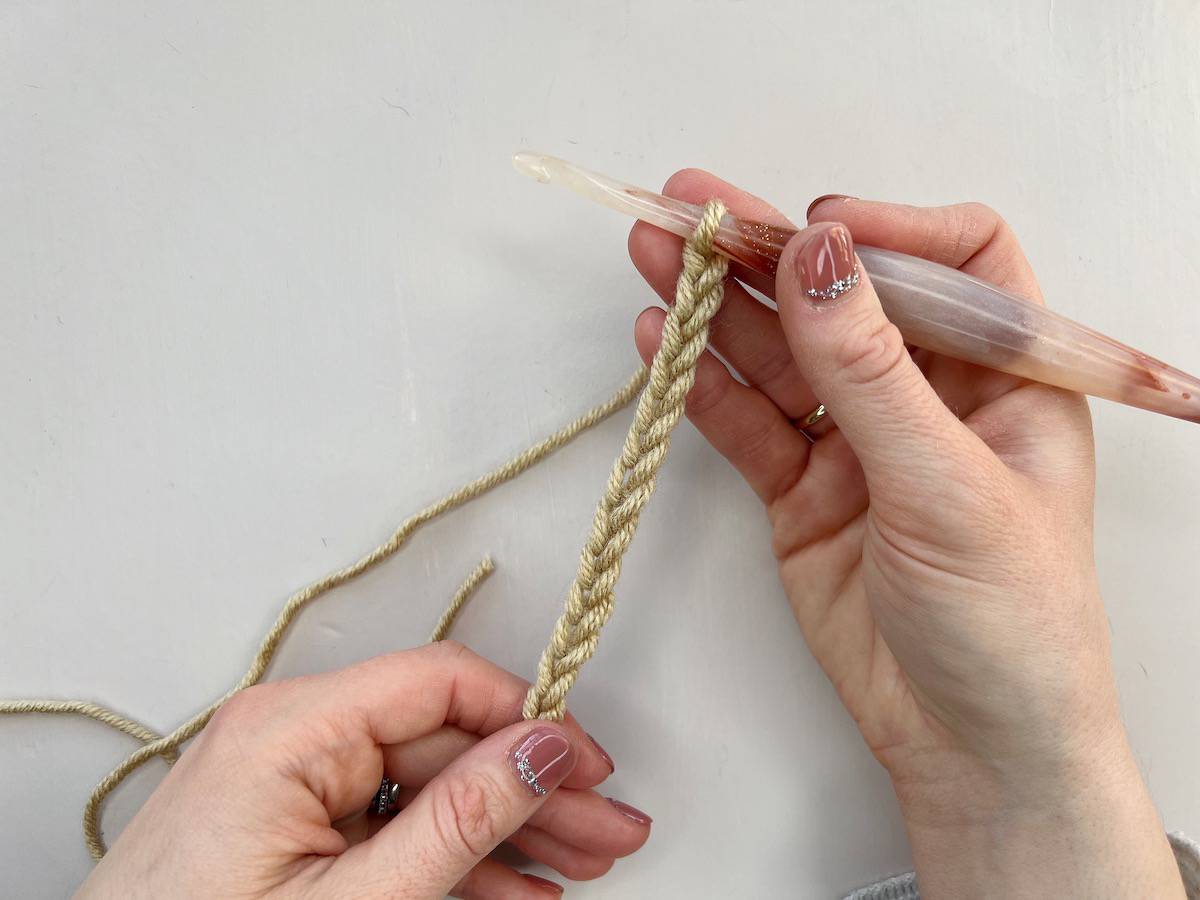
968 236
697 186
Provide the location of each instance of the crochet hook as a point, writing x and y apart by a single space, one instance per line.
934 306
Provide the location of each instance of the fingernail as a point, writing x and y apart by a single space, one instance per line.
603 754
825 262
542 760
545 884
823 198
631 812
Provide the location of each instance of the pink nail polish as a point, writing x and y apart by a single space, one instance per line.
630 812
543 759
825 263
549 887
823 198
603 754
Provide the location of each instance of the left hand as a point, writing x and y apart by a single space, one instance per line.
271 798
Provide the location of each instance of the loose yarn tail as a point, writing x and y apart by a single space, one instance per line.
167 746
590 600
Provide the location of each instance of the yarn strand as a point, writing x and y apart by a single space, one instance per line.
167 745
95 711
442 630
590 600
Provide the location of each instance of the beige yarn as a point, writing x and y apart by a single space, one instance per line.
698 295
166 746
590 600
92 711
442 629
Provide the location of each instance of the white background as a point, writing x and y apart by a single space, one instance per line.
268 283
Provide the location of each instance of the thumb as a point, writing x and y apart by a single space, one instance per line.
460 816
857 364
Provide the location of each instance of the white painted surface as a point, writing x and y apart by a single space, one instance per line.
269 284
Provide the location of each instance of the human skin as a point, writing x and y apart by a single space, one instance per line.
935 545
270 800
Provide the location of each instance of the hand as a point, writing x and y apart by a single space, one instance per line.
936 547
270 799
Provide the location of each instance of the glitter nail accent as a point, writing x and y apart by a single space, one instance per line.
526 774
836 289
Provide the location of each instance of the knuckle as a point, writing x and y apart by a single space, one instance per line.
681 179
979 215
775 366
243 708
470 813
961 230
586 868
449 650
247 722
707 392
600 867
758 448
225 721
969 228
876 354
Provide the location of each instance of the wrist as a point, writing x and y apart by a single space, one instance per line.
1077 826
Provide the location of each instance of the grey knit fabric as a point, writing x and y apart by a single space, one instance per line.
1187 853
904 887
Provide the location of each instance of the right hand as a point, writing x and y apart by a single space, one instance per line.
936 548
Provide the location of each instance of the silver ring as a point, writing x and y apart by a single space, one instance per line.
387 799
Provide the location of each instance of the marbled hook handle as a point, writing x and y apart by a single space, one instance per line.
934 306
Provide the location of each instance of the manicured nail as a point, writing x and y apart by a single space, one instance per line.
823 198
543 759
631 812
546 885
603 753
825 262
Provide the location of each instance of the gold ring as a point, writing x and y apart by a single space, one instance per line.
813 417
807 422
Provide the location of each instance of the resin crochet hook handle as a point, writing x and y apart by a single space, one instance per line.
934 306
